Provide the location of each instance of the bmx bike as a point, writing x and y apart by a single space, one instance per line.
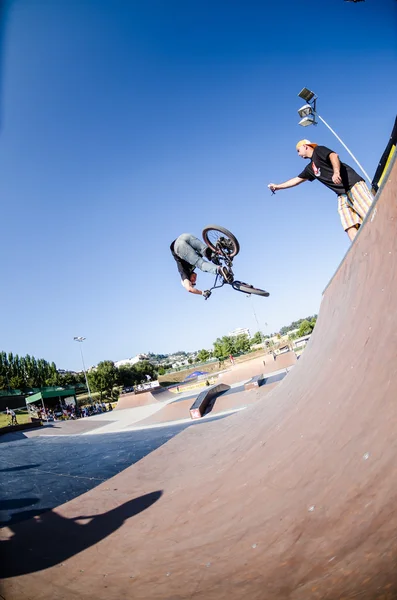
225 247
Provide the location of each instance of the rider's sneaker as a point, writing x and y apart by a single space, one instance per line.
209 253
227 276
212 256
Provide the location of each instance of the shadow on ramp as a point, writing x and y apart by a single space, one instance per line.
51 539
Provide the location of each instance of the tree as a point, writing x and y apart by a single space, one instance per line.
306 328
223 347
296 324
129 375
203 355
257 338
25 372
126 376
241 344
143 368
68 378
103 378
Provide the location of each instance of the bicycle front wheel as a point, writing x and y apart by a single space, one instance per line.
219 238
246 288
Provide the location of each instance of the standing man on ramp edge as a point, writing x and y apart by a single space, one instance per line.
354 197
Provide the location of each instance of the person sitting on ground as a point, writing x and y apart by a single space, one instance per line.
189 252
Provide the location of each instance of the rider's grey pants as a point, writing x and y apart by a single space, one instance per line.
191 249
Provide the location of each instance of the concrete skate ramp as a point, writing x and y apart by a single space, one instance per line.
144 399
245 370
294 497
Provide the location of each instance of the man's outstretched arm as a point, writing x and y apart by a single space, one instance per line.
191 288
287 184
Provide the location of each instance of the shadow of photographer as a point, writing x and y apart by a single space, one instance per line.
50 539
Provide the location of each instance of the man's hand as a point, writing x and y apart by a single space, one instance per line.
206 294
273 187
335 162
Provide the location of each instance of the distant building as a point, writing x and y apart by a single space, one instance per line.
131 361
302 341
240 331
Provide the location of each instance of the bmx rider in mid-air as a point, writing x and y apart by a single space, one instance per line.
191 253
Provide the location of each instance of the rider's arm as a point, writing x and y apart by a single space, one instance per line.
191 288
287 184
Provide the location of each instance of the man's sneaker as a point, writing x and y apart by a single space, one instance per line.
227 276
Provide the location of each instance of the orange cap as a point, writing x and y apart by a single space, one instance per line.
305 143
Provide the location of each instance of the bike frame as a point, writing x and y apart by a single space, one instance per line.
224 260
234 284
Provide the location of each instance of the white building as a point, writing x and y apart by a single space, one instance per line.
131 361
302 341
240 331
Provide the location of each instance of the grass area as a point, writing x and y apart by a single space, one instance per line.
22 418
178 376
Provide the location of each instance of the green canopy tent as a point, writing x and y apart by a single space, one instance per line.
63 396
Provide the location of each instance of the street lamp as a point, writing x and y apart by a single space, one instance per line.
308 114
259 327
81 339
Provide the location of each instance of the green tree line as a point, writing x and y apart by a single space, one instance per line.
106 376
297 325
26 372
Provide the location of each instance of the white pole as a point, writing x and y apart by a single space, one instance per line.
346 148
46 417
257 322
85 374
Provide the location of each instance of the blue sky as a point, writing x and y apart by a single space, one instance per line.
126 123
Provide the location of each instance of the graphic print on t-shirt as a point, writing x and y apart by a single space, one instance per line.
316 171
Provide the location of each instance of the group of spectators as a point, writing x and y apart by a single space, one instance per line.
67 413
95 409
63 413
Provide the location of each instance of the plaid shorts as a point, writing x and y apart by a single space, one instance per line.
353 206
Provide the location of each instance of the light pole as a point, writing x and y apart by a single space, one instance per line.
308 114
259 328
81 339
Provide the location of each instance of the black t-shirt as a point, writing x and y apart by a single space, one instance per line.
320 168
185 269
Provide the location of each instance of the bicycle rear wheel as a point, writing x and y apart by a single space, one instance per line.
246 288
217 237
